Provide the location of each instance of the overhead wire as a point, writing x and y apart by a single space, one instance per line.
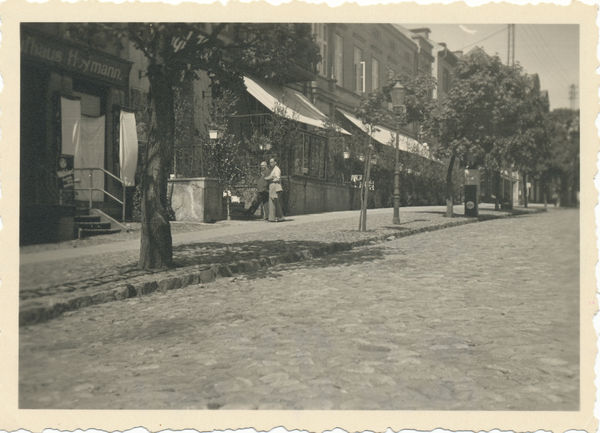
562 80
550 66
547 49
541 62
484 39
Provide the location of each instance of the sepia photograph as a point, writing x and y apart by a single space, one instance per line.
258 217
299 216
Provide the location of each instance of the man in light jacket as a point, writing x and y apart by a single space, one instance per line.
275 189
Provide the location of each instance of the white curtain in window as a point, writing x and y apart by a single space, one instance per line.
374 74
128 149
70 117
90 154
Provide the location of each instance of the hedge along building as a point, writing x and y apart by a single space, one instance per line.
74 95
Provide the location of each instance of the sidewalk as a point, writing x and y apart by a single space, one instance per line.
65 279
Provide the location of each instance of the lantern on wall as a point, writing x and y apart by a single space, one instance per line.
215 133
398 94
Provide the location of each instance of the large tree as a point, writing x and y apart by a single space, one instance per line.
226 52
478 113
530 144
268 51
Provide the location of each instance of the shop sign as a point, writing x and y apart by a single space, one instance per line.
65 172
75 58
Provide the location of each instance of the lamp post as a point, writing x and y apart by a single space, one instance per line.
398 93
214 133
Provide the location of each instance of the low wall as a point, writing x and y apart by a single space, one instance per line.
374 199
196 199
315 196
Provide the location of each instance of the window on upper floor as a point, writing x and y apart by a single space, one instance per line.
320 32
374 74
391 75
338 67
359 71
446 80
392 46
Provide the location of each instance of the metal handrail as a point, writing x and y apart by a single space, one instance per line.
90 189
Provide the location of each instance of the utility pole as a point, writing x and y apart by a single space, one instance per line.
573 95
510 61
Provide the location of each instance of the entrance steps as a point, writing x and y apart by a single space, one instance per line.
94 222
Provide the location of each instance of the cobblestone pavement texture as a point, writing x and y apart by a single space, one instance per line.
71 275
475 317
50 287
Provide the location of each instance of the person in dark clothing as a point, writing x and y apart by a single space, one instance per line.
262 194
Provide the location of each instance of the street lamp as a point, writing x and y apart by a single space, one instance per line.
398 94
346 165
215 133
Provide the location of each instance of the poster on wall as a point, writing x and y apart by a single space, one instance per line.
65 172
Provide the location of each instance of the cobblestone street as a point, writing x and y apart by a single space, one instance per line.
481 316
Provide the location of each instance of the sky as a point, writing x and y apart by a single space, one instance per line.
550 50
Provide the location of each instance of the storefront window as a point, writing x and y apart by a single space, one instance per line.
298 158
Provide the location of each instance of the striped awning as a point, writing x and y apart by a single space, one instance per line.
387 137
296 105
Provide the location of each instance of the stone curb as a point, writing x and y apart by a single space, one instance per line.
39 311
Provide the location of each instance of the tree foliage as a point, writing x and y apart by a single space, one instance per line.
562 166
223 155
490 116
480 109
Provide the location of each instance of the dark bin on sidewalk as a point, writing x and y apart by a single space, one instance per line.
471 204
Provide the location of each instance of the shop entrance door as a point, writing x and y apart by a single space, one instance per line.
90 152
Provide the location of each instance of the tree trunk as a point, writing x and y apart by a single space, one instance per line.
450 189
498 190
156 250
525 190
366 202
228 206
363 210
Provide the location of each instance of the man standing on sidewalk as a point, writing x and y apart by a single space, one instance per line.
275 189
262 193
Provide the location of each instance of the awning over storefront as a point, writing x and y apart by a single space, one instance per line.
297 106
387 137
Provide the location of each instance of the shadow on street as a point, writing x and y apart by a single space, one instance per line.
209 253
345 258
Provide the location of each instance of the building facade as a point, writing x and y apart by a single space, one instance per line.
72 95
